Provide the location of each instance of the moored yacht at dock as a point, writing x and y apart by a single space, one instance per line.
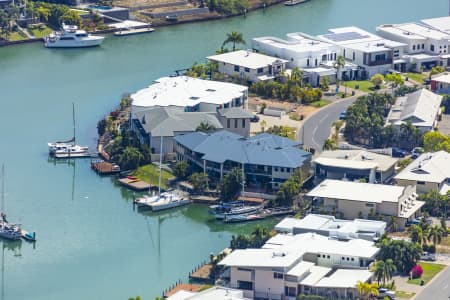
71 37
294 2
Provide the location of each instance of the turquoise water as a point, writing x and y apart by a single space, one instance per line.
91 243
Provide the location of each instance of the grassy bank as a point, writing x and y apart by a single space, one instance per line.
320 103
429 271
417 77
40 31
364 85
150 173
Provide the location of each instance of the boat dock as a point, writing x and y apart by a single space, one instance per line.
182 287
104 168
133 31
134 183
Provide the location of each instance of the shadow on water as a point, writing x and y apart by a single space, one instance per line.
10 246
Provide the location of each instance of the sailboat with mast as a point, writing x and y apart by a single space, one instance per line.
7 230
164 200
68 149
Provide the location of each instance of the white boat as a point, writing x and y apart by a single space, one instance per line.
243 210
68 149
10 231
168 200
132 31
294 2
146 200
71 37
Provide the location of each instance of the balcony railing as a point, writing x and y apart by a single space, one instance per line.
380 62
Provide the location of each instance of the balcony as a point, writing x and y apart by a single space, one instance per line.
380 62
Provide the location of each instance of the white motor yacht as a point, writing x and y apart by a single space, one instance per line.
72 151
71 37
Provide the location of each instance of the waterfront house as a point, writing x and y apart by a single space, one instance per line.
358 199
421 108
441 83
266 160
189 94
330 226
425 47
441 23
167 122
371 53
430 171
354 165
248 65
308 263
303 51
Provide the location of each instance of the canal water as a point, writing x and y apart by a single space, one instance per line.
91 243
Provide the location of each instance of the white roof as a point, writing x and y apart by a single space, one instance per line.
442 24
444 77
262 258
428 167
186 91
297 42
414 31
216 293
300 268
420 108
357 191
344 278
356 159
317 273
358 39
445 188
246 59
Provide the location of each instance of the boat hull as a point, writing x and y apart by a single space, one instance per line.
74 44
294 2
167 205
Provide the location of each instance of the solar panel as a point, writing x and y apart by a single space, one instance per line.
345 36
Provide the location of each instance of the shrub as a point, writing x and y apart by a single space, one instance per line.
417 271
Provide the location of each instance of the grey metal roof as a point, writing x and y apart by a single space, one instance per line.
235 113
263 149
166 121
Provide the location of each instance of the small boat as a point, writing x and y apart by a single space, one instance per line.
278 211
145 200
168 200
219 210
10 231
70 37
243 218
294 2
68 149
28 236
172 18
243 210
133 31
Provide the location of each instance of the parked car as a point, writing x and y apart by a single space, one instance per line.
383 293
397 152
428 256
254 119
415 153
343 115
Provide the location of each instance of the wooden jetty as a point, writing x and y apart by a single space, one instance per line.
202 274
134 183
183 287
104 168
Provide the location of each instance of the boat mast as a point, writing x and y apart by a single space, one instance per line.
3 188
73 118
160 164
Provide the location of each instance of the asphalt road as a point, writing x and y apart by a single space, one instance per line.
317 128
438 289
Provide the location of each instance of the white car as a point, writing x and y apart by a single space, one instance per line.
383 292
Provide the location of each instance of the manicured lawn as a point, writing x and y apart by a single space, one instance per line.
320 103
429 271
364 85
17 36
150 173
40 31
404 295
418 77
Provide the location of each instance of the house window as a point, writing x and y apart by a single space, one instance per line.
431 47
235 123
353 55
260 70
318 255
423 46
343 258
348 258
307 62
243 123
275 169
414 47
247 70
228 123
370 205
421 182
288 170
277 275
323 255
281 169
245 285
316 62
290 291
236 68
353 259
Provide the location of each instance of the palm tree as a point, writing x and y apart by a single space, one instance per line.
435 234
205 127
329 144
235 38
367 290
297 76
378 270
338 64
389 270
417 235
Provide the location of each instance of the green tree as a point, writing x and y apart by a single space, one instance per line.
435 234
231 184
205 127
395 79
404 254
71 17
324 82
199 181
234 38
181 169
367 290
130 158
377 80
435 141
338 64
384 270
43 13
329 144
289 189
436 70
417 235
